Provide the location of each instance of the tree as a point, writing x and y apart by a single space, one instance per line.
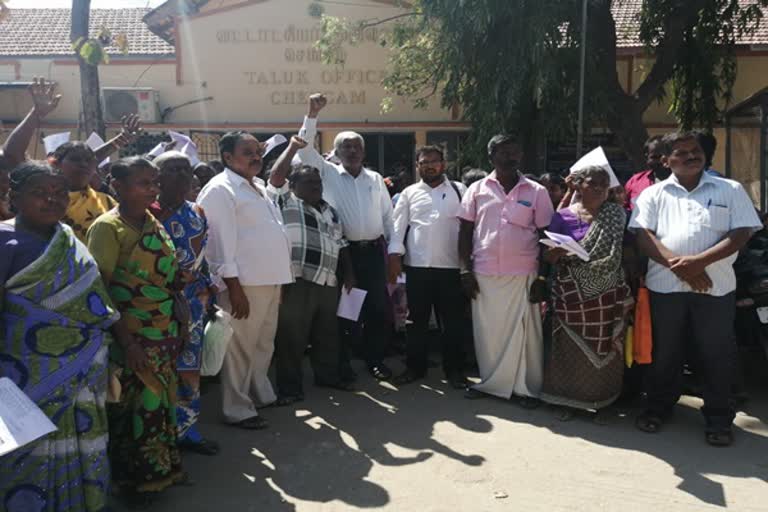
90 53
513 66
90 90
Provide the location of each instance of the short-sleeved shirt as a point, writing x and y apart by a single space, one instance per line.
19 248
506 241
635 186
689 223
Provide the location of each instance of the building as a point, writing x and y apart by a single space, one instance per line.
207 66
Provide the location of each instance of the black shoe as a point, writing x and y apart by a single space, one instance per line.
286 400
204 447
380 371
457 381
407 377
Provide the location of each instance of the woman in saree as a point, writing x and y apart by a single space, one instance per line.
54 315
136 258
77 163
185 223
584 366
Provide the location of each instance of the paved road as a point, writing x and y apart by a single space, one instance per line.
426 448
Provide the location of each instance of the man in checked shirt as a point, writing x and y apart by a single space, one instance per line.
308 310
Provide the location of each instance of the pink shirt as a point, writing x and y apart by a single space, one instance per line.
506 242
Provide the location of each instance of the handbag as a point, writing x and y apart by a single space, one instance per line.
216 337
642 339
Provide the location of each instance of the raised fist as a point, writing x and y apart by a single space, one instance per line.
317 102
297 142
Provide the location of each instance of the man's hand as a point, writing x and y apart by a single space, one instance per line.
317 102
538 291
394 267
553 254
350 281
297 143
131 127
240 306
700 283
44 97
136 358
469 285
687 267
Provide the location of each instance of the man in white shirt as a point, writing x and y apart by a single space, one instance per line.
427 233
249 249
365 209
691 226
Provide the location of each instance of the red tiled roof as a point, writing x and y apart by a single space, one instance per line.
625 14
32 32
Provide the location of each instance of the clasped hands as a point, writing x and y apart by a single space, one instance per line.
692 270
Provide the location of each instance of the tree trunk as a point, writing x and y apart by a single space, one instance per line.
90 90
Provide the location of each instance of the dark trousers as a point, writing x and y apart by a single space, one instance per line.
439 288
307 315
370 331
707 322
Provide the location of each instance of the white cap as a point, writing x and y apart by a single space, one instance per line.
273 142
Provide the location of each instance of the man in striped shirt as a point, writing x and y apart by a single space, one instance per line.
308 309
691 226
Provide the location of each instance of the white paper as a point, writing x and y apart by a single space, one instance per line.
157 150
351 303
190 150
273 142
181 140
565 242
95 142
21 421
52 142
597 157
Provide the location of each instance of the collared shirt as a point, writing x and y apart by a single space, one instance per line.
689 223
363 202
246 238
506 241
315 235
635 186
431 215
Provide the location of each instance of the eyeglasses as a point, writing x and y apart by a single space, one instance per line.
425 163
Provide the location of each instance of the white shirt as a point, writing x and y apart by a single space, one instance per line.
363 203
246 239
689 223
432 214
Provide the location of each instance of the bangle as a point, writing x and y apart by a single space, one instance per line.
541 278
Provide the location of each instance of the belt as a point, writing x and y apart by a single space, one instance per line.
364 243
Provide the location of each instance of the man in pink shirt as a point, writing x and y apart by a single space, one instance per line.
501 216
654 172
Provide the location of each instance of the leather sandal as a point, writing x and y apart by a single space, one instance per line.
720 437
649 422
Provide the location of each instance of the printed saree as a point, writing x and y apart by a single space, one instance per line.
188 229
142 425
54 320
85 206
585 367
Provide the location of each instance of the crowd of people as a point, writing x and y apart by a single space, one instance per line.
106 291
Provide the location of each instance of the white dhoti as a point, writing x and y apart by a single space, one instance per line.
508 337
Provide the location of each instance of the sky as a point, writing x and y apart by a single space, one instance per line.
95 4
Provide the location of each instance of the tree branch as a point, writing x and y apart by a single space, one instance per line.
681 18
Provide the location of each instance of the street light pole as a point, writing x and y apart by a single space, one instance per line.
582 71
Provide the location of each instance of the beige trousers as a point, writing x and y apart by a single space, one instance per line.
244 382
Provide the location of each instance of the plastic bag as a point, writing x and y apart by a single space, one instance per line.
642 342
218 332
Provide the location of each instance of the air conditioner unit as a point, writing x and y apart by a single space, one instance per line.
120 101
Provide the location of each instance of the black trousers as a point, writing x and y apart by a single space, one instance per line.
707 323
439 288
307 315
370 333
